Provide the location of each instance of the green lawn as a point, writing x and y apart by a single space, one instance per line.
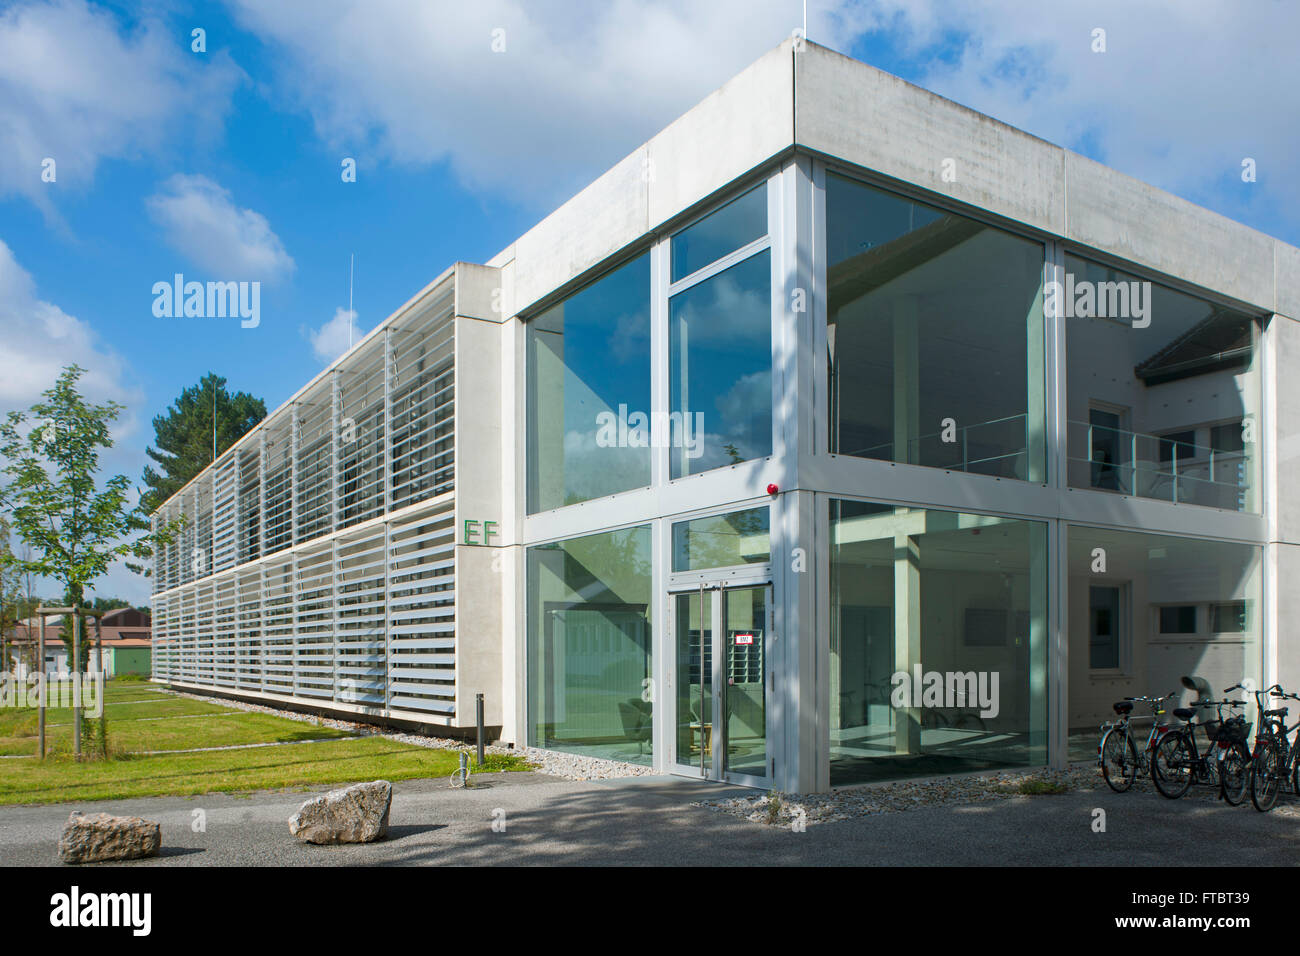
134 736
123 721
60 779
130 773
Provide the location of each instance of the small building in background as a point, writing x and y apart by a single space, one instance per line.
127 639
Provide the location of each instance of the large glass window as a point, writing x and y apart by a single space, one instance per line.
589 646
1163 390
1147 610
935 336
723 231
938 642
720 368
722 541
589 391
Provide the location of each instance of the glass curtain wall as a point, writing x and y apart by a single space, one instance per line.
935 335
588 374
1146 610
720 341
722 541
938 642
589 646
1163 390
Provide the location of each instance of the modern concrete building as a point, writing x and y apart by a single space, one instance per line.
837 433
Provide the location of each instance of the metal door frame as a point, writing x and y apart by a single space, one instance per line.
718 583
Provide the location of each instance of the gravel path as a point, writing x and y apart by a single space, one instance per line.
798 810
567 766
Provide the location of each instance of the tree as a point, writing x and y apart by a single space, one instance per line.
74 529
11 595
184 435
108 604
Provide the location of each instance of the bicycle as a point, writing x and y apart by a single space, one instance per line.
1178 762
1274 758
1117 755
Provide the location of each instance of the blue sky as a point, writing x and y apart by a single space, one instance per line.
225 164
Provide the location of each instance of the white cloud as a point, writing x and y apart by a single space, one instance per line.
77 90
37 339
579 85
1182 94
336 336
201 221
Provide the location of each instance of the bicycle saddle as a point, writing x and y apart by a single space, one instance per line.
1184 713
1123 707
1280 712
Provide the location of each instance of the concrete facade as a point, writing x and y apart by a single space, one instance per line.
797 114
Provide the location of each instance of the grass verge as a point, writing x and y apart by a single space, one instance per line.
61 780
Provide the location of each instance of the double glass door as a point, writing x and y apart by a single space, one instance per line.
721 635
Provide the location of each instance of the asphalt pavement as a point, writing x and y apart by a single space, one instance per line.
531 819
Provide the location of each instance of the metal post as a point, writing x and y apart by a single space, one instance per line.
1133 460
103 682
76 690
44 686
478 715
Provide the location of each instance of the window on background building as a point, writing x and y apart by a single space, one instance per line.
1106 631
720 342
589 425
935 336
1178 619
1168 584
722 541
938 642
1185 371
589 646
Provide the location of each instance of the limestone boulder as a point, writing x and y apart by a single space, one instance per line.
98 837
356 814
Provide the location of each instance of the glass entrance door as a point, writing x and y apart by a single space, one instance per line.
721 638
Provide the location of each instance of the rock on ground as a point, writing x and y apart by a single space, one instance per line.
91 839
356 814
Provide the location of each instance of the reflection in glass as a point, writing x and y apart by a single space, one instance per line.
694 629
589 646
1163 391
735 225
720 368
938 642
721 541
935 337
588 384
745 616
1187 609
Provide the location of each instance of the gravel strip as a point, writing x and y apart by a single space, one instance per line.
788 811
565 765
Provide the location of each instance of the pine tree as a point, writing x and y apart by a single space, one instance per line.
183 436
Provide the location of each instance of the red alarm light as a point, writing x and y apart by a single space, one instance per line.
772 489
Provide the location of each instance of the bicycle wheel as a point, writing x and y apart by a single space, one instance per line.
1172 765
1234 774
1119 763
1266 776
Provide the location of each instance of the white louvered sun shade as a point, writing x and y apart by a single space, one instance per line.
317 559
